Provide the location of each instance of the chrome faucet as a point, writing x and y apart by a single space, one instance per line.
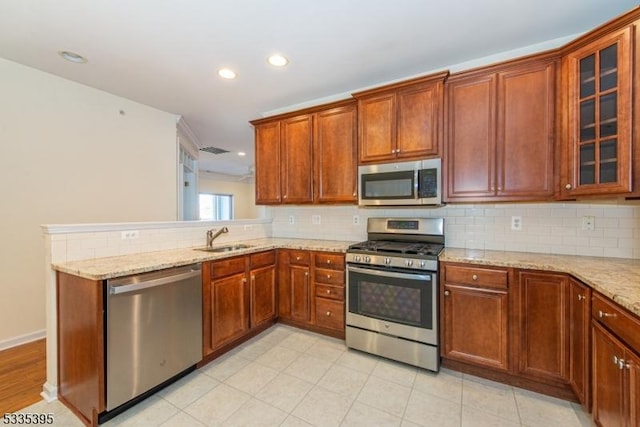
211 236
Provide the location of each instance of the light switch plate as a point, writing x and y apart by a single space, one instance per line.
315 219
291 220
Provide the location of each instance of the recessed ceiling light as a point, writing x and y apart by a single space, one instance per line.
72 57
227 73
278 60
241 153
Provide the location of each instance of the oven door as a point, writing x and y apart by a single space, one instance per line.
394 302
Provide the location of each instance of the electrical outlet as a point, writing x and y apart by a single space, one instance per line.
130 234
291 220
589 223
315 219
516 223
356 219
248 227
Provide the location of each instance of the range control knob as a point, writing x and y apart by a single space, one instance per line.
422 264
387 261
409 262
367 259
356 258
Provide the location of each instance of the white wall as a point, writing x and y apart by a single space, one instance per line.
554 228
68 155
243 192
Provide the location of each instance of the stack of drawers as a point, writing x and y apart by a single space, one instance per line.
329 290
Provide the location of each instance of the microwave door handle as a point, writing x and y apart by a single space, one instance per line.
416 186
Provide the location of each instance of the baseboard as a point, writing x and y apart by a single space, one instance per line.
22 339
49 392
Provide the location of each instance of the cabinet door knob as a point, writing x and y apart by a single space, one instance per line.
602 314
328 276
244 280
285 196
474 277
297 258
355 194
306 274
328 261
328 291
581 297
447 293
328 313
568 186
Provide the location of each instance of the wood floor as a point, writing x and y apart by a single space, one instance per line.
22 374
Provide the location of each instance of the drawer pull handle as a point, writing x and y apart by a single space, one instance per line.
581 297
297 258
474 277
328 314
602 314
328 261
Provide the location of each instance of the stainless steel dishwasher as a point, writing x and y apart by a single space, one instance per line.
154 330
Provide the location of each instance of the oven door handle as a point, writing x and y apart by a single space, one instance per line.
382 273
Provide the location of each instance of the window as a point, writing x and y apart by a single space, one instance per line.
216 207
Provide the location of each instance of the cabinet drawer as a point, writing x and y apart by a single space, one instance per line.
617 320
330 314
476 276
227 267
329 260
299 257
330 291
263 258
331 277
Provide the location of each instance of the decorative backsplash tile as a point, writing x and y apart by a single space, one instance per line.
546 227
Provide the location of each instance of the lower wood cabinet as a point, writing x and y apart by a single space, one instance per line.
522 327
616 365
580 341
543 327
311 290
475 315
238 296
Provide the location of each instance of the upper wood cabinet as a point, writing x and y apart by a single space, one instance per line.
335 155
499 142
401 121
307 156
267 167
596 151
296 176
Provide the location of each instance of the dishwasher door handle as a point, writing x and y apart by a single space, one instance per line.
121 289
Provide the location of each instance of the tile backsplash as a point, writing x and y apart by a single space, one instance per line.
78 242
545 227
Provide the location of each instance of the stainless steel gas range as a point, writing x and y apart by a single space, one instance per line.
392 283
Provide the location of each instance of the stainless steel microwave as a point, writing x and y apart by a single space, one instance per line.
400 184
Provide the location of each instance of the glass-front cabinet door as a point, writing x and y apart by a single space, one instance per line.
597 151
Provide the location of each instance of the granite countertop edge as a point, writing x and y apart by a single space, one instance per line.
616 278
125 265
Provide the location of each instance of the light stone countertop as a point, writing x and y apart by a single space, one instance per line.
124 265
616 278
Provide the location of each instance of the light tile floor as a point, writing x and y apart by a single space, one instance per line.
289 377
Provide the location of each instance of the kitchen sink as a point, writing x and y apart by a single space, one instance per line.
228 248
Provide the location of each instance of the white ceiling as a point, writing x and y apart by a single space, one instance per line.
166 53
